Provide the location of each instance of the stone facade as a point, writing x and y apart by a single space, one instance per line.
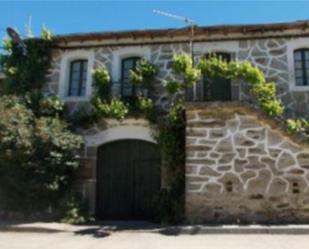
239 168
161 55
273 56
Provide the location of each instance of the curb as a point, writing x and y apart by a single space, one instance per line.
44 228
168 230
193 230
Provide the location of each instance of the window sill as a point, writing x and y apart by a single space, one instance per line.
75 99
299 88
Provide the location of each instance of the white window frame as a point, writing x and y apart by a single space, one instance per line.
231 47
293 45
65 67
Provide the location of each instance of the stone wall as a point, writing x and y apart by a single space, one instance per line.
271 56
241 168
161 55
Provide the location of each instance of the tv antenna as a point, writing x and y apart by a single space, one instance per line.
188 22
29 26
16 39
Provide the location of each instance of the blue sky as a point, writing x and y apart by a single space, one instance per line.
78 16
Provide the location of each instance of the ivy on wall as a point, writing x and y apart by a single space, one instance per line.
27 70
144 74
171 140
265 93
104 105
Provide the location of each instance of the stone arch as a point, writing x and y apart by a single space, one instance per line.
116 130
106 131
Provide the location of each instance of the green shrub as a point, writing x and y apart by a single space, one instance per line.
144 74
172 86
74 210
82 116
114 109
300 126
144 107
27 72
37 157
182 66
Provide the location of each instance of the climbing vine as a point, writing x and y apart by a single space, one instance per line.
171 140
185 73
106 106
26 68
299 126
144 74
102 83
265 93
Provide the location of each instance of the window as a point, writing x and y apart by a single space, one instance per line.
128 90
301 67
217 89
78 78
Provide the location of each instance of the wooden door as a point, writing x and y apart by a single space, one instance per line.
128 178
217 88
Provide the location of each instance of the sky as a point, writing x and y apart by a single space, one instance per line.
88 16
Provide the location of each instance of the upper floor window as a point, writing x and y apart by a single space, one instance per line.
128 90
78 78
217 88
301 67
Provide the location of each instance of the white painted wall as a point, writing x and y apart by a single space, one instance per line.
292 45
132 129
67 58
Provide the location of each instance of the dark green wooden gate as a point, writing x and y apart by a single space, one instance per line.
216 88
128 178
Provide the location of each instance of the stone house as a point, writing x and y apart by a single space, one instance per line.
240 167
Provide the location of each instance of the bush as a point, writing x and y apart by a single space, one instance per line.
74 211
183 67
298 126
83 116
144 74
114 109
28 71
37 157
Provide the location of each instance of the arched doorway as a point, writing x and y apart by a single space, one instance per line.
128 179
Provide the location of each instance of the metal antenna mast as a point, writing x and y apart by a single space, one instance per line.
187 20
29 27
